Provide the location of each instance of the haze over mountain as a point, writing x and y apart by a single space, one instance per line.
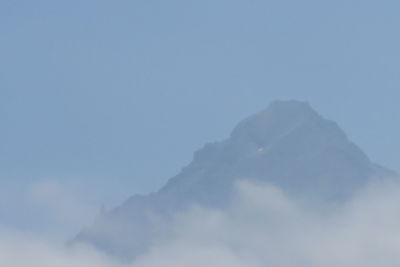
287 145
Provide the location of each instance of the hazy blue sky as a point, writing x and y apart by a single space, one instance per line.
116 95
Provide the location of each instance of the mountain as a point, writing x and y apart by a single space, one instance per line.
288 145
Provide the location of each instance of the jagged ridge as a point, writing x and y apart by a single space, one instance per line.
288 144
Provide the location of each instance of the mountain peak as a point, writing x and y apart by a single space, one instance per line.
287 145
281 118
290 108
290 104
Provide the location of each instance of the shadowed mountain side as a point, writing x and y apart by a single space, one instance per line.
288 145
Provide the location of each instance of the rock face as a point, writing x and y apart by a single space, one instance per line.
288 144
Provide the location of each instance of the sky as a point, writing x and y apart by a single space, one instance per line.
110 98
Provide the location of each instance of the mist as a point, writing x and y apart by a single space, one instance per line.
262 226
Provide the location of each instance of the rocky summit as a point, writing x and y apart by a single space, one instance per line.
288 145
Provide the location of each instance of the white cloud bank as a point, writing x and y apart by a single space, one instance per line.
263 227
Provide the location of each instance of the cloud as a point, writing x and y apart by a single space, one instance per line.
63 202
18 249
262 227
52 207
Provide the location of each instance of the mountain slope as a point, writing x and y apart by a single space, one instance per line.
288 145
